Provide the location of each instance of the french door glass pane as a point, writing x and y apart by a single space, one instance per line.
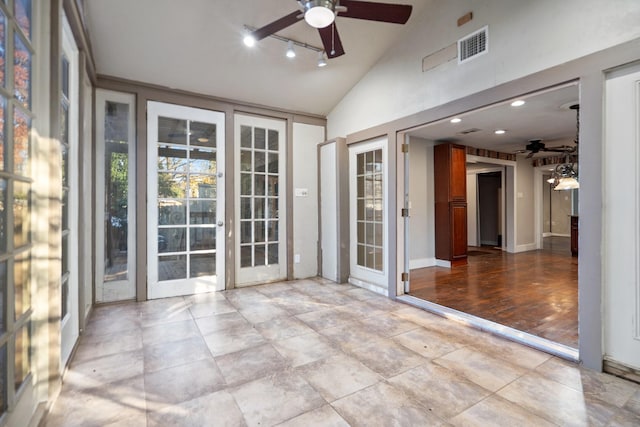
3 216
116 138
3 296
22 11
21 214
21 72
259 188
187 192
21 269
3 378
369 210
23 355
21 146
3 45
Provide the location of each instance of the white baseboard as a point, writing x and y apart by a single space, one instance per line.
555 235
547 234
421 263
368 286
443 263
525 248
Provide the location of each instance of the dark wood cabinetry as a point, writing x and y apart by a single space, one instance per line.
574 235
450 185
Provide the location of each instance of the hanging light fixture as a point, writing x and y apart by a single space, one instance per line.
565 175
290 52
319 13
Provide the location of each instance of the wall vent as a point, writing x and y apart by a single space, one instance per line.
475 44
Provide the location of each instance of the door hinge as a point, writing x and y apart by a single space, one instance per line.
404 277
405 148
404 212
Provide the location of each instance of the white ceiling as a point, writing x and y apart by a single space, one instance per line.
545 116
196 45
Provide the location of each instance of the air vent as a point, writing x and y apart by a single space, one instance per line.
473 45
468 131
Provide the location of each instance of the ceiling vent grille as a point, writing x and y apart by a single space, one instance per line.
473 45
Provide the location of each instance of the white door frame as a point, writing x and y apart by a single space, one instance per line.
187 286
70 324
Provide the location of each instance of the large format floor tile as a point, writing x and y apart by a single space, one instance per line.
314 353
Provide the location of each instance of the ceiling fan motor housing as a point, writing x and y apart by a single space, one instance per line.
319 13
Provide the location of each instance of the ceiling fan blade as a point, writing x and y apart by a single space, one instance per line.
331 41
381 12
530 155
277 25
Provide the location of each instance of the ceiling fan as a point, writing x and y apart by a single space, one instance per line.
321 14
536 145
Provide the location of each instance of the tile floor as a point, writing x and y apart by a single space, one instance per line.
313 353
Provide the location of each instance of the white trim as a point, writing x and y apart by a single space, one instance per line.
443 263
526 247
421 263
369 286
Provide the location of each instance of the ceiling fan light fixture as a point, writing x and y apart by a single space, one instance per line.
249 40
319 13
569 183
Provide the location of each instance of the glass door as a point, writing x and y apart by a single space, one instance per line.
261 251
186 200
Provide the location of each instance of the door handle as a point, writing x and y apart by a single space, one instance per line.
220 223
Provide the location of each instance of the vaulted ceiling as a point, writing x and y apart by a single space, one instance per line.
196 45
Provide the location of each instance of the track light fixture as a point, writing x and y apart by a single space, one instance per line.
290 52
321 61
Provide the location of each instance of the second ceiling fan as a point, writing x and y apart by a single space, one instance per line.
321 15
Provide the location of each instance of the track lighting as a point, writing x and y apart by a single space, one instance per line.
249 40
290 52
321 61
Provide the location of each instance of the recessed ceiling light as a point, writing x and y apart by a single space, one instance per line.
517 103
500 132
456 120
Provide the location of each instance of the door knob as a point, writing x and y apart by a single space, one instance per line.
220 223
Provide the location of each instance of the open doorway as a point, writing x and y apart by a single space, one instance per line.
519 275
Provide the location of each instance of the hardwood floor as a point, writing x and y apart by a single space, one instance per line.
534 292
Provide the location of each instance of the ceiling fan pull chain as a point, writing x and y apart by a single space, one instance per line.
333 33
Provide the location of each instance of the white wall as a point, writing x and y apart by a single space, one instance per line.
421 198
305 208
472 209
329 201
525 226
524 37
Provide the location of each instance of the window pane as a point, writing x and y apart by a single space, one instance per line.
3 46
272 185
272 231
64 121
245 256
202 161
245 184
3 296
202 186
21 152
64 298
22 11
259 189
172 240
272 211
64 153
202 265
202 212
245 161
65 254
259 255
172 212
21 268
369 210
21 214
260 161
173 131
273 254
273 162
22 72
3 216
273 140
172 267
202 239
65 77
260 138
3 134
258 211
23 355
116 122
3 379
245 207
172 185
202 134
259 231
245 232
245 136
172 159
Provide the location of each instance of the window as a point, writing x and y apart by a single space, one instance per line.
16 186
370 209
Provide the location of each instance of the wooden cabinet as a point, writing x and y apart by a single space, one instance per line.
574 235
450 185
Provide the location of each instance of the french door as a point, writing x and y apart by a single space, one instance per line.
186 213
261 245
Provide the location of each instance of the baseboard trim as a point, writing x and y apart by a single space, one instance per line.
421 263
368 286
621 370
525 248
443 263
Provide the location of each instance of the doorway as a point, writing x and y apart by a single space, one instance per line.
509 286
185 218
